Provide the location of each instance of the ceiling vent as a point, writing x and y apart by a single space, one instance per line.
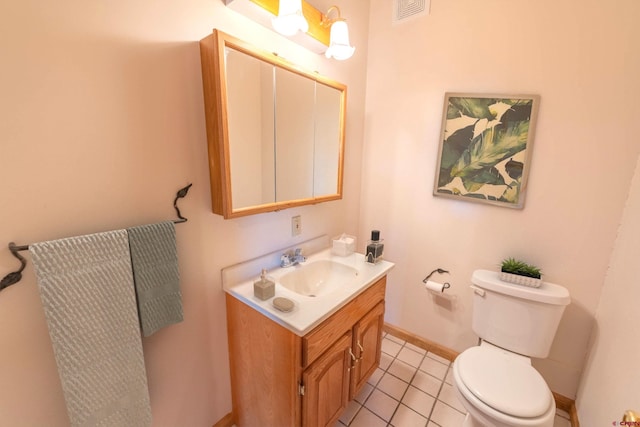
404 9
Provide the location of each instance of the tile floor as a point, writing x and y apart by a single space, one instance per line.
412 387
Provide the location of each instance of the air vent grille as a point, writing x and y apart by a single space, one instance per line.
404 9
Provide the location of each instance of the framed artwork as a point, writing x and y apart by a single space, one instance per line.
485 148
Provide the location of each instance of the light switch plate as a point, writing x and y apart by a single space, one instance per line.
296 225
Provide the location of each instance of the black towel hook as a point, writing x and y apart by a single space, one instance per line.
15 276
181 193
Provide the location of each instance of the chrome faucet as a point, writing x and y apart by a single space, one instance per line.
291 258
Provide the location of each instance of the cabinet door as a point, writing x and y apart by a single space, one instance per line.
367 344
326 385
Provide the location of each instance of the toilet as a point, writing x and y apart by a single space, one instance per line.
495 381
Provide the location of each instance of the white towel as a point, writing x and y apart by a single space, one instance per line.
86 287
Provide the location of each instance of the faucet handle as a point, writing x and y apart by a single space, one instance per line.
298 257
285 260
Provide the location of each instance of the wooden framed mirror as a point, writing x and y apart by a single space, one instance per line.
275 132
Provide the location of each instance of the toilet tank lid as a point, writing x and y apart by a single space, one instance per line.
548 293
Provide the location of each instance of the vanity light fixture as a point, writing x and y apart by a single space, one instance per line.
302 23
290 19
339 46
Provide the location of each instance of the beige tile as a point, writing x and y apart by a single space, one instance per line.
563 414
392 386
375 377
449 378
410 357
395 339
385 361
419 401
448 396
433 367
445 415
381 404
416 348
366 418
349 413
427 383
364 393
559 421
439 358
405 417
402 370
390 347
399 404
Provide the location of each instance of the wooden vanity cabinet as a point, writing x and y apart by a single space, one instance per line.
281 379
368 340
326 384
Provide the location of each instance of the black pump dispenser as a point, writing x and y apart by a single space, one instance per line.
374 248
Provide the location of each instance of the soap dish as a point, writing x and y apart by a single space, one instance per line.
283 304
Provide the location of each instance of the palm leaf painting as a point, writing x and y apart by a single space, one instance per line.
485 147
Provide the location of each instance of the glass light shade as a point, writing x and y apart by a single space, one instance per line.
339 47
290 19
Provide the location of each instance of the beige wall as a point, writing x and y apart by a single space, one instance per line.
609 385
102 121
582 58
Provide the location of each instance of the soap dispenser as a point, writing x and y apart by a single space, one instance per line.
264 288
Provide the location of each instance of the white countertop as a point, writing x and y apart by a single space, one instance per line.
308 312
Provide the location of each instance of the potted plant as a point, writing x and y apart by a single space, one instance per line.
519 272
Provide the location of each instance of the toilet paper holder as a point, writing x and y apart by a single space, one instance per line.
446 285
437 270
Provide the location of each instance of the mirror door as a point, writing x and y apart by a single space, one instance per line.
251 132
275 133
294 118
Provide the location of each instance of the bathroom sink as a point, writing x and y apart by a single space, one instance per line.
333 280
318 278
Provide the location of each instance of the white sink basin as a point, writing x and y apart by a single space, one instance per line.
319 278
333 279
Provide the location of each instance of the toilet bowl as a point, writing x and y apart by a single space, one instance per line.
500 388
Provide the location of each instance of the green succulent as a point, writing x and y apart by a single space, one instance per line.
521 268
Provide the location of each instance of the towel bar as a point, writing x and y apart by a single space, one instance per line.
15 276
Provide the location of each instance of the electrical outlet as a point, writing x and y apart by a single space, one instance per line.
296 225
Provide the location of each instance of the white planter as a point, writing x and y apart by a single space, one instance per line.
520 280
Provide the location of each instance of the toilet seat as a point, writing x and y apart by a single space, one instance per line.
503 381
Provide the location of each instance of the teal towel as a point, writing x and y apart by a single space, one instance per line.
86 288
155 270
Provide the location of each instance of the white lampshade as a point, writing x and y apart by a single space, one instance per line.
290 19
339 47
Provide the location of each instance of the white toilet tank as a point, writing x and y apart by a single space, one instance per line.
518 318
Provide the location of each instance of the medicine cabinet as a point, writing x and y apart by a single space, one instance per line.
275 132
